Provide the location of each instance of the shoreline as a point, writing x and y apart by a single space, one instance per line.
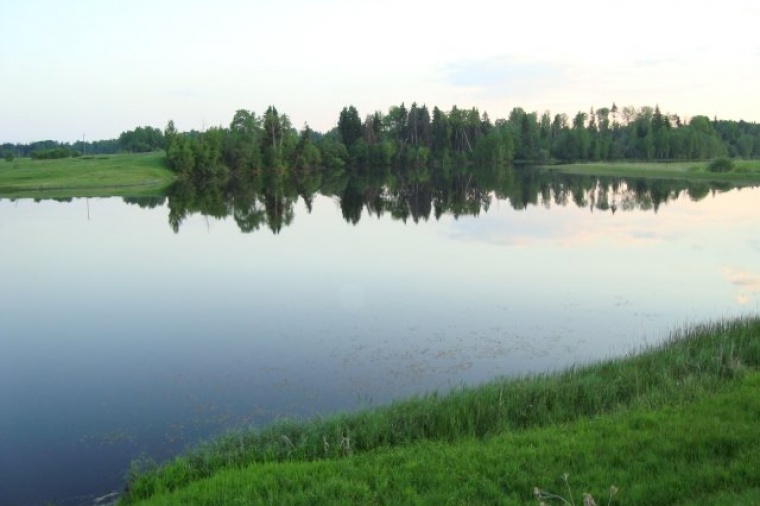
745 172
693 364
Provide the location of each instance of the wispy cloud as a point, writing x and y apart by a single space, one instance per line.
501 74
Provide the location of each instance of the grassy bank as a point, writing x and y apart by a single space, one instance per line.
667 425
88 176
744 171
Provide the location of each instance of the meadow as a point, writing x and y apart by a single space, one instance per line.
671 424
124 175
743 171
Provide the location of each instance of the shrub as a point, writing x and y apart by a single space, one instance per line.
50 154
721 165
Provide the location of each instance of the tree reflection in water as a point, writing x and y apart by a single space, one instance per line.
267 198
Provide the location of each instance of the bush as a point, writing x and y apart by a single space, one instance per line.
8 155
51 154
721 165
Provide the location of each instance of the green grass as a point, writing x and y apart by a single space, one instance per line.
744 171
703 452
89 176
668 425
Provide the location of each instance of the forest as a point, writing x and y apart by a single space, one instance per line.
415 136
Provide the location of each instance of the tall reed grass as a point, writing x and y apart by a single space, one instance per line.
692 362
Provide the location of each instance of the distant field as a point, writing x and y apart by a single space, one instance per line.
744 172
87 176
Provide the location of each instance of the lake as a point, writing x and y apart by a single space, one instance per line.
136 327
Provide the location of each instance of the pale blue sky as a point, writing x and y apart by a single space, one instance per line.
98 67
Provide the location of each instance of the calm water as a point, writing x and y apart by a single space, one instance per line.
120 337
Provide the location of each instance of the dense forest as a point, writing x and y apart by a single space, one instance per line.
416 136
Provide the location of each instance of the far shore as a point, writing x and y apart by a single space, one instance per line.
122 175
146 174
745 172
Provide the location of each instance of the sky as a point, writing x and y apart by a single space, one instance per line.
96 68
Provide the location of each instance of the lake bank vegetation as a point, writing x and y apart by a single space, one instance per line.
416 137
406 139
672 424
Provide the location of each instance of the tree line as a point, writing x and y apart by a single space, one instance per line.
250 143
139 140
414 136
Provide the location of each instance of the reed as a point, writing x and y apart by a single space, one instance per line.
693 363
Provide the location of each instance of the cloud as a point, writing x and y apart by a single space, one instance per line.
500 74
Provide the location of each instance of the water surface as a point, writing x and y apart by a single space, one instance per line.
122 337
